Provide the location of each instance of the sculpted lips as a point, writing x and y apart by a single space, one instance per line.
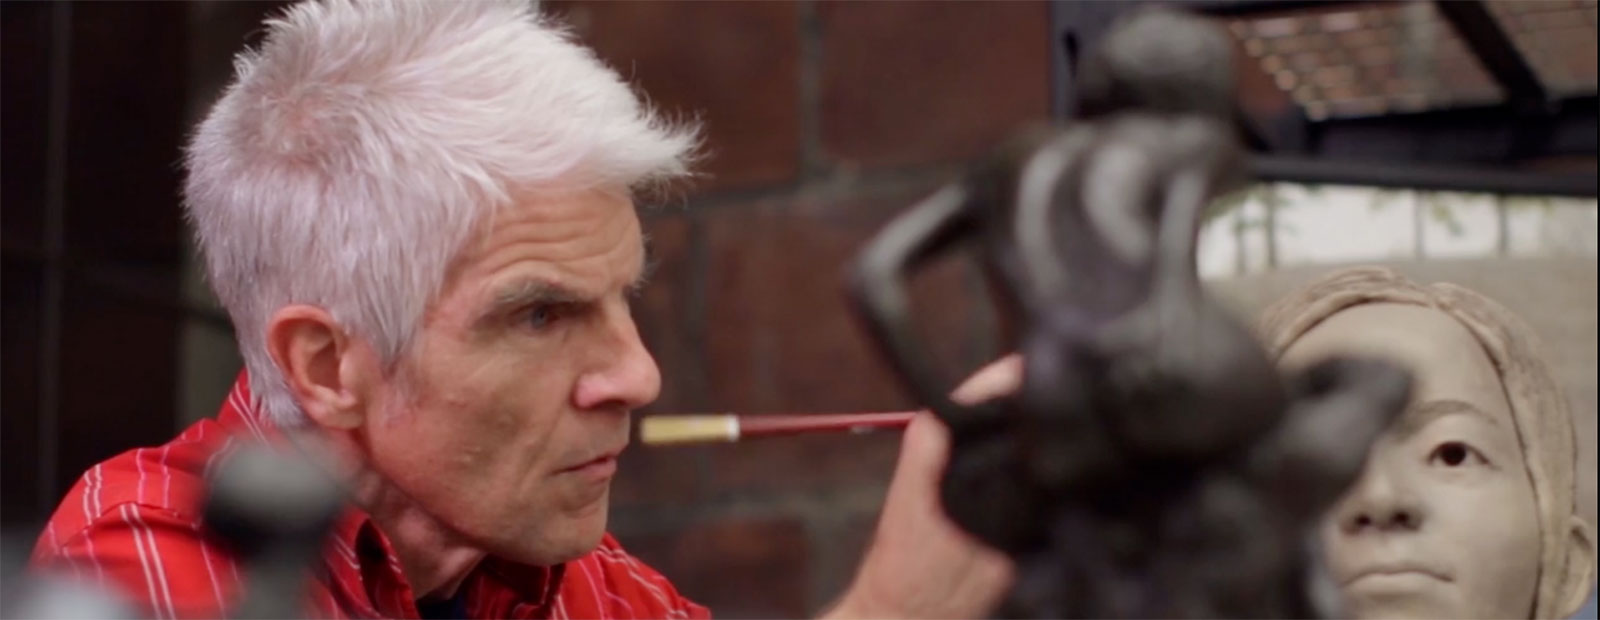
1397 570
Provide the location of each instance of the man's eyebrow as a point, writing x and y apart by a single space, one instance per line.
528 293
1419 416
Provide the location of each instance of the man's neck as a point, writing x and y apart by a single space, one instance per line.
434 558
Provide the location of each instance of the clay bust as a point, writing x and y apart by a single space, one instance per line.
1466 506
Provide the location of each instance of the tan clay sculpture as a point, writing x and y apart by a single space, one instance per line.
1465 508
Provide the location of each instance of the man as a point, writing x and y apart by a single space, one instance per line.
419 217
1465 508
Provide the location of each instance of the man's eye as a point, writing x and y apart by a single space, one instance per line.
1456 454
542 315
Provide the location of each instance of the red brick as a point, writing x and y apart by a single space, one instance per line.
1259 96
649 475
781 337
839 545
739 567
913 82
1574 62
662 309
776 467
732 64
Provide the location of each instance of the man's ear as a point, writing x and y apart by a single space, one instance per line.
327 371
1580 566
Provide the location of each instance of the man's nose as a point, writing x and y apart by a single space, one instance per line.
1381 501
622 376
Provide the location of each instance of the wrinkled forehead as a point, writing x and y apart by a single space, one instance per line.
1447 362
576 246
556 224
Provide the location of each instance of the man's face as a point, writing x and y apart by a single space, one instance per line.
505 419
1442 522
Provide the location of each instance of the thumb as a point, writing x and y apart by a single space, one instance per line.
925 448
923 453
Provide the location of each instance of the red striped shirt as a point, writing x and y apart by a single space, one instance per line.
132 523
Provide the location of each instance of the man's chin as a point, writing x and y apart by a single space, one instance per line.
569 540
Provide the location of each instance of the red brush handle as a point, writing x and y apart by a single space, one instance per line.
786 424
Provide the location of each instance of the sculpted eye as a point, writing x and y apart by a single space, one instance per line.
1456 454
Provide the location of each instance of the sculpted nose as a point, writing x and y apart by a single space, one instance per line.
1380 502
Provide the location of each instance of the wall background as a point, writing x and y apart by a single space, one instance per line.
823 119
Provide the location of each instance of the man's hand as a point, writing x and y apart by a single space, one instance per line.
920 565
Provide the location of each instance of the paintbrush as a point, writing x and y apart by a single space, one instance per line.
728 427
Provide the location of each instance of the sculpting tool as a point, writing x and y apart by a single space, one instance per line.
730 427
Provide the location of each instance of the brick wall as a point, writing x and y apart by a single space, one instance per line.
823 119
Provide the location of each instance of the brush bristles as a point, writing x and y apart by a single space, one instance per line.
665 429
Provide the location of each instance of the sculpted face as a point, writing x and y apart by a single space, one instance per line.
507 415
1443 521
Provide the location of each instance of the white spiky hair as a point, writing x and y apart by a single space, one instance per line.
364 143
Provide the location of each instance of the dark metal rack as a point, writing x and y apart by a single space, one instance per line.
1535 140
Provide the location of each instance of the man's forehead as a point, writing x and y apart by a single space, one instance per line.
549 215
555 227
569 283
581 248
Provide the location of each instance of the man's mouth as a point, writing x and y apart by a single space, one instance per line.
1397 572
602 466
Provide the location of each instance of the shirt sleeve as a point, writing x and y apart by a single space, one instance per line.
153 558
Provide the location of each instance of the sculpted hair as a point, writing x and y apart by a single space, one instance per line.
364 144
1538 406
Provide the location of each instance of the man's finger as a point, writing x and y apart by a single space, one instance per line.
1001 377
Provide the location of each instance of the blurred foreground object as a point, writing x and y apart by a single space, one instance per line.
1153 464
274 508
52 597
271 506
